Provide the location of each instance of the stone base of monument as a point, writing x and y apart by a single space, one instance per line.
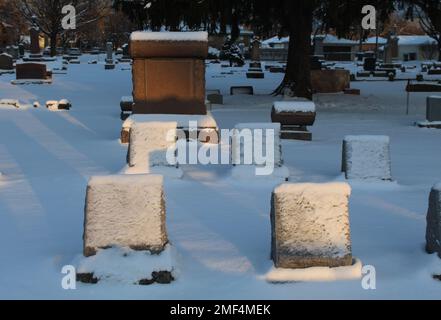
295 133
246 90
126 105
125 59
256 65
208 131
38 58
294 117
122 265
109 66
352 91
255 75
276 69
316 274
30 81
434 72
363 74
215 97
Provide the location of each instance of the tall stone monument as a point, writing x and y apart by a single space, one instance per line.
35 42
169 72
255 50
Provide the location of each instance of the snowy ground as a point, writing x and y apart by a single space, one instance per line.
220 228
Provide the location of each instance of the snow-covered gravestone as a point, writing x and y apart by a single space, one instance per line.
310 226
434 108
151 149
367 158
433 233
109 59
256 151
169 72
125 237
294 116
6 62
125 211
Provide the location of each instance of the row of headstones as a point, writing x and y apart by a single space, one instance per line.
26 70
363 157
309 222
114 204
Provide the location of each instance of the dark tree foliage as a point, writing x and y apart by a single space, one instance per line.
288 17
231 52
429 14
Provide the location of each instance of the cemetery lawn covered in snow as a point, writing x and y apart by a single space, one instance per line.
219 226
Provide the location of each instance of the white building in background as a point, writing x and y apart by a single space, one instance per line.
417 48
334 48
414 47
409 48
329 46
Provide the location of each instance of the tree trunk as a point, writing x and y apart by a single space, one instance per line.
53 40
298 70
439 50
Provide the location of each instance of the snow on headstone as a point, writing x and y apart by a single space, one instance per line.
294 106
125 211
433 233
150 145
253 148
310 225
367 158
6 62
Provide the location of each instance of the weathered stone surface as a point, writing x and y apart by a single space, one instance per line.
6 62
125 211
240 153
168 76
126 104
433 108
149 143
310 225
255 65
369 64
330 81
293 118
433 232
294 113
248 90
352 91
35 41
367 158
434 72
255 75
32 71
215 98
255 50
